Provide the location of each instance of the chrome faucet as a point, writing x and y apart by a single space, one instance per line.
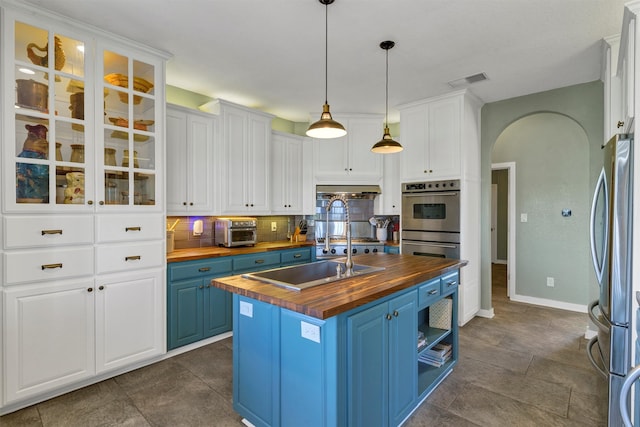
349 263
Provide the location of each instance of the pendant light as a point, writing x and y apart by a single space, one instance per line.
326 127
387 145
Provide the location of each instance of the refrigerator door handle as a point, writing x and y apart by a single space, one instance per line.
631 378
593 341
598 321
601 183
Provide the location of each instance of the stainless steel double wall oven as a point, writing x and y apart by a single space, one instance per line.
431 218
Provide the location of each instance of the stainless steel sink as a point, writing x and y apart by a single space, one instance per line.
304 276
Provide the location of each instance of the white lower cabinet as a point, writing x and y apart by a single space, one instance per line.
49 337
58 334
129 319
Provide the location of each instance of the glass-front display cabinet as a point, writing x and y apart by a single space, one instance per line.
85 116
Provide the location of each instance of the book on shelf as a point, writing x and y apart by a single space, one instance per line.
437 355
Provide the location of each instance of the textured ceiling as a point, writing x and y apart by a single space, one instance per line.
270 54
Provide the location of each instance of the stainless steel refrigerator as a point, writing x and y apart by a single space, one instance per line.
611 242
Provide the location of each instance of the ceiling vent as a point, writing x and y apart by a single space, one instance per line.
466 81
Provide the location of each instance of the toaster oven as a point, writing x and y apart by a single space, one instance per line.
237 231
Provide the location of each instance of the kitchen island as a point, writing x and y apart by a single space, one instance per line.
344 353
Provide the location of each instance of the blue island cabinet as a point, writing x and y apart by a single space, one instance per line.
359 368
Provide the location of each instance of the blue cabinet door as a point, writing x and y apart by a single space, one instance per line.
217 310
367 367
381 364
185 320
403 371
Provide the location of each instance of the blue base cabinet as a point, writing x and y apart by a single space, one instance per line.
359 368
197 310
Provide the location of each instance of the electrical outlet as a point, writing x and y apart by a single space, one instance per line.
310 331
551 282
524 217
274 226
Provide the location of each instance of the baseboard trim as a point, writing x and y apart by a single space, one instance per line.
197 344
500 261
489 314
550 303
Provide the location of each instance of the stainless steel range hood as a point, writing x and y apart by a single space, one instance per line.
350 191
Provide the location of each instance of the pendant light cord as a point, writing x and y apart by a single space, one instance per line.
386 95
326 52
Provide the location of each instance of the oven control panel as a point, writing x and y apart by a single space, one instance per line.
416 187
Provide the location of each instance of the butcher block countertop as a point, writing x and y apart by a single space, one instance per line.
331 299
213 251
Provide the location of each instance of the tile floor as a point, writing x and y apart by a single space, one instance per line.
525 367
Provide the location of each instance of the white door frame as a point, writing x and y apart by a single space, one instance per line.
494 223
511 224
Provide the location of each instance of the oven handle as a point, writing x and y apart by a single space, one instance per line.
437 245
431 193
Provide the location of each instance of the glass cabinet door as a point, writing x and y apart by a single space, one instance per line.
50 131
129 158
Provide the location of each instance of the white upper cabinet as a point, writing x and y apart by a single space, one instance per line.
612 87
388 203
431 135
190 156
287 174
243 160
349 159
83 127
626 69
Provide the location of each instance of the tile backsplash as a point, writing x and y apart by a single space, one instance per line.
184 238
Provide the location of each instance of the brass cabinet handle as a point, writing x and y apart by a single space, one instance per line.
190 203
101 203
101 287
259 261
184 203
132 258
90 290
90 202
50 266
132 229
297 255
51 232
204 269
389 316
395 313
433 292
620 123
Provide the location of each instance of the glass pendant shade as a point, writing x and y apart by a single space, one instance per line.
326 127
386 145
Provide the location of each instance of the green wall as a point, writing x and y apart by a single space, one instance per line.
529 143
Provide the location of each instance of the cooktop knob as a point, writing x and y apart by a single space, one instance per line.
344 251
354 250
324 251
375 250
366 251
333 251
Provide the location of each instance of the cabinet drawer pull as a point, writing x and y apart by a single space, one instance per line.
388 316
452 283
204 269
433 291
297 255
201 287
133 229
259 261
51 232
395 313
50 266
132 258
89 289
101 287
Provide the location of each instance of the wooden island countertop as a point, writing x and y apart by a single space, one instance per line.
331 299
